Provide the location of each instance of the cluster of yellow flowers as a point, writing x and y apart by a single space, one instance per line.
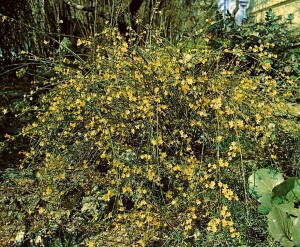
156 131
223 221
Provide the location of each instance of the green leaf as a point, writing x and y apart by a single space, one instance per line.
280 226
263 181
265 201
295 232
290 17
289 208
270 15
288 191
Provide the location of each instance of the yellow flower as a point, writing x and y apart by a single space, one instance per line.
48 191
216 103
154 142
212 184
213 228
41 210
150 174
139 223
185 87
90 244
266 66
108 195
188 227
126 189
231 229
230 223
224 222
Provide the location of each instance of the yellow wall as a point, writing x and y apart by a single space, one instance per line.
258 9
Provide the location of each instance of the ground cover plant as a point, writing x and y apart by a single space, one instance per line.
150 145
279 199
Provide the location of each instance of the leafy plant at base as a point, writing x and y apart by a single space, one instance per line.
261 183
280 200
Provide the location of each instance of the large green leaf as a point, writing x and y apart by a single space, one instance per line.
295 232
263 181
288 191
280 226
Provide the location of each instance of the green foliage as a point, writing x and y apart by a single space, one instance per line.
268 42
280 226
279 199
270 31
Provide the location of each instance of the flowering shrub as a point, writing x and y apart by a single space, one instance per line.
146 146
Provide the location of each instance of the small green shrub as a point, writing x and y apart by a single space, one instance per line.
268 42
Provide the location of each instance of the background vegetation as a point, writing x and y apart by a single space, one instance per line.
141 123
